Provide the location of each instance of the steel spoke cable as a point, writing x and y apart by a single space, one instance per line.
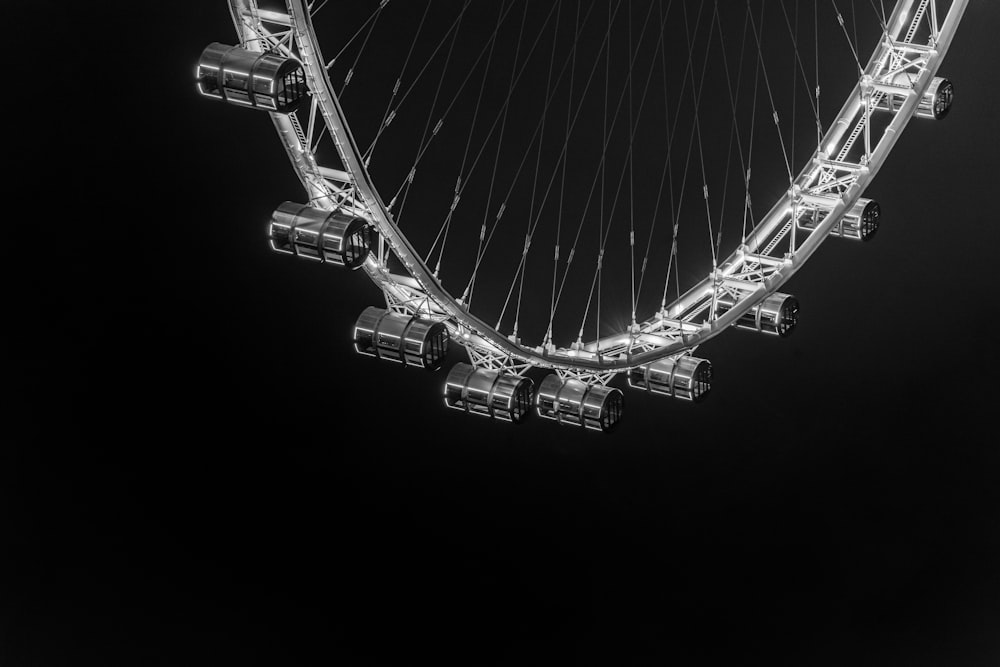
430 114
747 201
631 175
501 113
462 180
313 12
801 66
795 39
373 17
618 109
531 141
734 132
691 44
843 26
666 174
597 172
357 57
399 80
431 57
604 166
854 25
467 294
371 22
696 91
446 226
562 190
534 187
447 111
770 94
579 229
881 17
701 151
819 129
563 153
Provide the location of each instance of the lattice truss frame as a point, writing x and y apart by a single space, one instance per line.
895 79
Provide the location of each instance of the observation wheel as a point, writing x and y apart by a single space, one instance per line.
588 189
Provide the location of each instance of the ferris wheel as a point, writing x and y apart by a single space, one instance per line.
590 189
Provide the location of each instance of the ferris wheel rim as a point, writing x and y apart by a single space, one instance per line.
438 302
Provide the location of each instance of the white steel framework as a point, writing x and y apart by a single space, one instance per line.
898 78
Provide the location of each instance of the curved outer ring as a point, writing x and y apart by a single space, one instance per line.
479 333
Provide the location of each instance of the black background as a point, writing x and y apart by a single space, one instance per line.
198 470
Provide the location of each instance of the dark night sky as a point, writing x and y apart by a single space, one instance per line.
199 470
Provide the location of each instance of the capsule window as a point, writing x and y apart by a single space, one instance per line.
437 346
356 247
291 87
702 381
612 411
235 85
522 403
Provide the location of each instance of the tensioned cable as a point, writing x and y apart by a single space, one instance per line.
446 226
534 186
854 24
563 153
386 119
503 106
819 132
430 59
696 91
540 132
770 95
600 255
631 175
666 174
347 44
313 12
524 157
597 172
747 201
881 17
734 129
840 20
604 165
805 79
562 190
795 47
451 105
701 151
430 114
357 57
467 295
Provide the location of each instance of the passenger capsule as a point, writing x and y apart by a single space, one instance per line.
937 101
860 223
572 401
408 339
777 315
488 392
326 236
251 78
935 104
687 378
